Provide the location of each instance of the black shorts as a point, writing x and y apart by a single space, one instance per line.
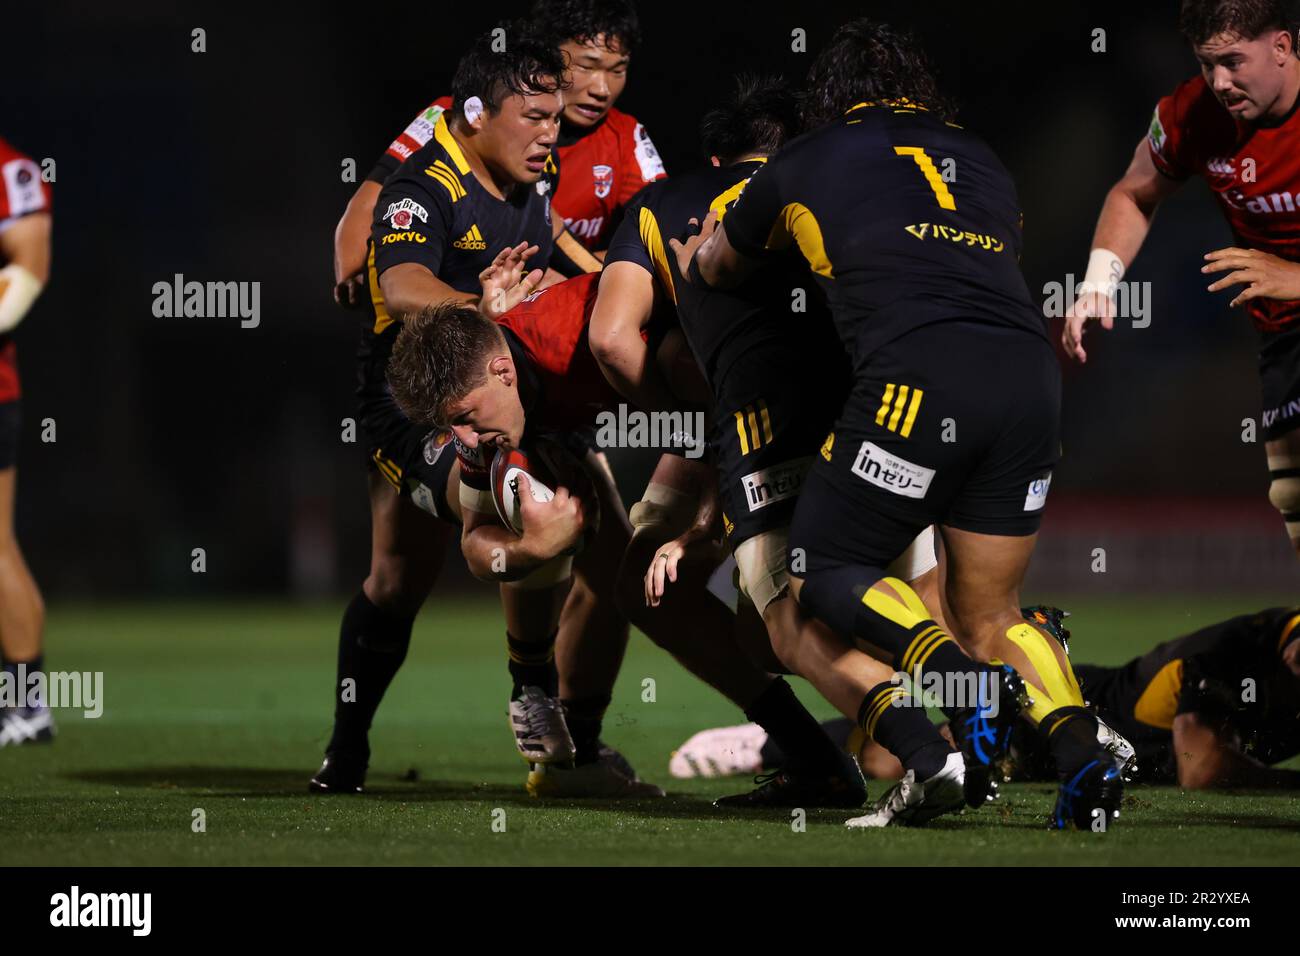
415 459
1279 379
953 424
10 426
765 434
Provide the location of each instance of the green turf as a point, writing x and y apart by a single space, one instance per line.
226 709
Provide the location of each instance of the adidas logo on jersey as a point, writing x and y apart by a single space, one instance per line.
473 239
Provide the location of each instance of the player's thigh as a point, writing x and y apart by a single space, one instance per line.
408 545
10 422
8 484
982 582
1283 453
598 563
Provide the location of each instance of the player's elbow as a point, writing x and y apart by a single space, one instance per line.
1195 776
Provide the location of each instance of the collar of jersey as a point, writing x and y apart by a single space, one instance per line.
902 103
442 133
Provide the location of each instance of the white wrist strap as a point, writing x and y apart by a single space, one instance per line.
18 290
1105 270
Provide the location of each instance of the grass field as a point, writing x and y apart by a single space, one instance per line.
225 708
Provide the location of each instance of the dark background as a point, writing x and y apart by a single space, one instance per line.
225 166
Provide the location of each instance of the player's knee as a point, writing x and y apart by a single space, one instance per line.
834 596
397 587
1284 494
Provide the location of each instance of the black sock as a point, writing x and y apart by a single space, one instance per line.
931 657
839 729
372 646
1071 734
795 732
583 716
35 665
532 664
896 720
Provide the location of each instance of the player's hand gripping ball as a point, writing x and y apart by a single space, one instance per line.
544 465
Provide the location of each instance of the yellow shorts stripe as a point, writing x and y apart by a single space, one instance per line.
912 409
898 408
885 403
740 430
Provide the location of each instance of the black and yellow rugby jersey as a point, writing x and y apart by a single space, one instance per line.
433 211
905 220
1228 674
779 312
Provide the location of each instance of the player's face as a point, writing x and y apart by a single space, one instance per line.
492 413
1247 76
517 140
598 74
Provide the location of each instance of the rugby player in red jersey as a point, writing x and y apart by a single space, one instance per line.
24 270
531 376
1236 126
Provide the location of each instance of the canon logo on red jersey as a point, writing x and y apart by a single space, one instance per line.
585 228
1270 204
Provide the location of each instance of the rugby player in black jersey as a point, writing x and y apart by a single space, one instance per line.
953 416
777 379
482 183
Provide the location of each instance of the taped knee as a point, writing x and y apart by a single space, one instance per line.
834 596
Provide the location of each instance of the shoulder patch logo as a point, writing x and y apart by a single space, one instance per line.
400 214
472 240
603 178
1156 134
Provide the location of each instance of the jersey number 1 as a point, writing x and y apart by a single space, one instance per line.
931 174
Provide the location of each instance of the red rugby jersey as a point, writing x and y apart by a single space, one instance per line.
22 192
562 387
600 169
551 327
1253 171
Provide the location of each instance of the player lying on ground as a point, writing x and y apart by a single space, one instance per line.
776 382
502 387
1214 709
24 270
1236 126
480 183
953 417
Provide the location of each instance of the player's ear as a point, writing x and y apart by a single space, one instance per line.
502 367
715 160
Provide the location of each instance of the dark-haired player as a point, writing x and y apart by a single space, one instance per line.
953 416
606 154
778 377
481 183
532 375
24 269
1235 126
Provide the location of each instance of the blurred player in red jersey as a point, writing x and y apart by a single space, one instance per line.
1236 126
606 156
24 270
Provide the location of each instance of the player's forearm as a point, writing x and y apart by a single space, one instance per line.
1123 224
1235 769
409 288
494 553
353 230
26 244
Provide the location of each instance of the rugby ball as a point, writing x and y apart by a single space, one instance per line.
507 468
548 465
